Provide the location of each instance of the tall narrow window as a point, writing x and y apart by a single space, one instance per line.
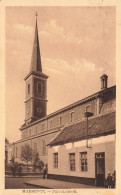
60 120
30 132
44 147
72 161
47 123
83 161
28 88
36 130
55 158
72 116
39 87
42 127
51 123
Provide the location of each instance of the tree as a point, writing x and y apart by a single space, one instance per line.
40 164
35 159
27 153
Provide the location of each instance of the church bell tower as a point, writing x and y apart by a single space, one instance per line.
36 85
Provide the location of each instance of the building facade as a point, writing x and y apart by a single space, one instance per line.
77 156
39 129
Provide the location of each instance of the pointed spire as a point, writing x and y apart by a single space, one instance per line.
36 58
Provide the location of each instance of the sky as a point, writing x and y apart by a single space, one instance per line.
77 46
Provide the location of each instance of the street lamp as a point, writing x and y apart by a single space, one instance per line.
87 115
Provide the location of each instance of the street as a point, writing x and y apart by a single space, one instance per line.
39 183
18 183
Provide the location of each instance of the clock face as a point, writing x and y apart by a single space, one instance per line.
39 110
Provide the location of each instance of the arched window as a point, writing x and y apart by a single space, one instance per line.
60 120
28 88
35 147
30 132
42 127
36 130
72 116
39 87
44 147
51 123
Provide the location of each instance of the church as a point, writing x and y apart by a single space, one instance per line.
77 141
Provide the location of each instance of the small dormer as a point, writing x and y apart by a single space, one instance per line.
104 81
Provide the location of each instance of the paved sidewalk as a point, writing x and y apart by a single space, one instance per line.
55 184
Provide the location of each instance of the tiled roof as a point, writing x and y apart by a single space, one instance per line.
97 126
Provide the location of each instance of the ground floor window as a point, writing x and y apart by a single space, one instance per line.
55 158
72 161
83 161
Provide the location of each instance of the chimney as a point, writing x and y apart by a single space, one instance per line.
104 81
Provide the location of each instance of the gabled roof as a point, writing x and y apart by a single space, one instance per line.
100 125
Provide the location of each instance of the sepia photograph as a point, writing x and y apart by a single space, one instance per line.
60 97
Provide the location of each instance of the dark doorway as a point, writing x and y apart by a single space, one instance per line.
100 169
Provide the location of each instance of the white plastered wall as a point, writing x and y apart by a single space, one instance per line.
102 144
